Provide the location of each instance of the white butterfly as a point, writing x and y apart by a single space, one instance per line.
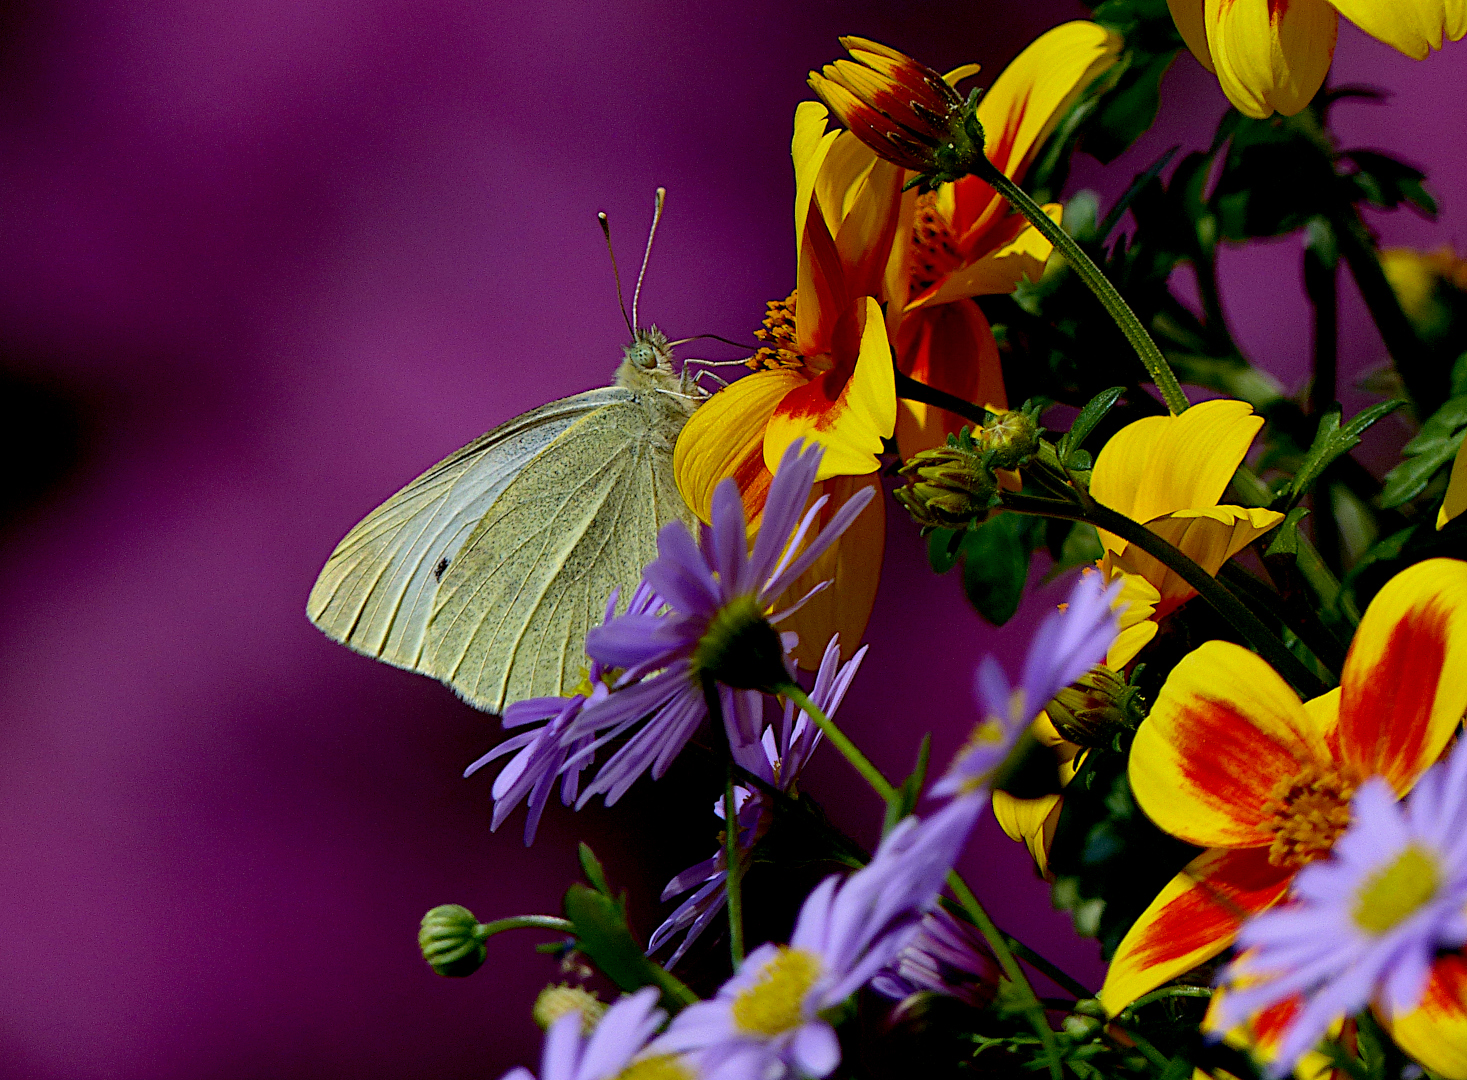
487 570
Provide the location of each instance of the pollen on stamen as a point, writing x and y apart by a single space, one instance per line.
779 331
1309 811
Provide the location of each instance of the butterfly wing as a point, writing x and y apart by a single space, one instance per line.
581 519
375 593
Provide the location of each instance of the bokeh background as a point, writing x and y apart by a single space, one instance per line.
264 261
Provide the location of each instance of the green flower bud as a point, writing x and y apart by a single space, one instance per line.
950 487
451 941
558 999
1094 709
1011 438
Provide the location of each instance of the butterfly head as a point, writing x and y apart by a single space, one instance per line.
649 352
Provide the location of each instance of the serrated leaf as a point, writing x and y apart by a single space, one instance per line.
1093 413
1433 447
1332 441
1286 536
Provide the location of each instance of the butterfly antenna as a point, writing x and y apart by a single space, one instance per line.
615 273
715 337
652 235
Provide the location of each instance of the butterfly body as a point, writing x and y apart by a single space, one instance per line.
487 570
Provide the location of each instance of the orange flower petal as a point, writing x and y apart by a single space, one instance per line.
950 348
1193 919
1014 251
852 565
1224 731
725 437
1435 1032
848 410
1270 55
1404 687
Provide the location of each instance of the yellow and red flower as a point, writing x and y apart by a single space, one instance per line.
1274 54
1231 760
1168 473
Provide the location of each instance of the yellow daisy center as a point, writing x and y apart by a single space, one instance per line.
1309 811
774 1003
661 1067
779 330
1397 891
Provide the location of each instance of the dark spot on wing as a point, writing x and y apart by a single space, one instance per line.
438 570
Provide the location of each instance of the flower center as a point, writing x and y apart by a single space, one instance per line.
740 648
779 330
934 252
661 1067
775 1002
1309 811
1397 891
555 1001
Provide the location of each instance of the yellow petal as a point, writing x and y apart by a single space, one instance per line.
1415 27
1404 685
1264 1031
1187 14
1209 537
1130 641
1435 1032
849 415
1031 821
808 148
1136 604
1455 500
1034 92
1270 56
852 565
1162 464
1193 919
1224 731
725 437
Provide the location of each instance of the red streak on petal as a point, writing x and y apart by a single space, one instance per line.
1238 884
1221 753
1385 712
1446 990
1268 1025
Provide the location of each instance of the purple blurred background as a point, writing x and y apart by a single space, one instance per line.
263 263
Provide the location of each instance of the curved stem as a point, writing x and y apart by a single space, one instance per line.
1161 995
912 390
525 922
1114 304
991 933
733 881
1209 588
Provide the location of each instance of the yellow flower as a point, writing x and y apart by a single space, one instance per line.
1274 54
1168 473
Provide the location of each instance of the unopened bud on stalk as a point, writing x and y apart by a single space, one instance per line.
558 999
951 486
452 941
1094 709
1011 438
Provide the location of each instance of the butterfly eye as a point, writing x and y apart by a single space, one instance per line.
644 356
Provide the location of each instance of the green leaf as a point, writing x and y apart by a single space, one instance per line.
1383 181
1286 536
943 548
996 564
1128 110
591 867
1093 413
1081 547
1332 441
911 789
602 934
1432 448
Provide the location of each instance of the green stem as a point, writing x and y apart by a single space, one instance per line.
733 883
1209 588
1114 304
912 390
838 738
1165 992
998 942
1055 975
525 922
1150 1052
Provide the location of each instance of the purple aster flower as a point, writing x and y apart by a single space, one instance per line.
1067 644
719 628
776 758
1366 923
946 956
765 1023
614 1049
542 752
